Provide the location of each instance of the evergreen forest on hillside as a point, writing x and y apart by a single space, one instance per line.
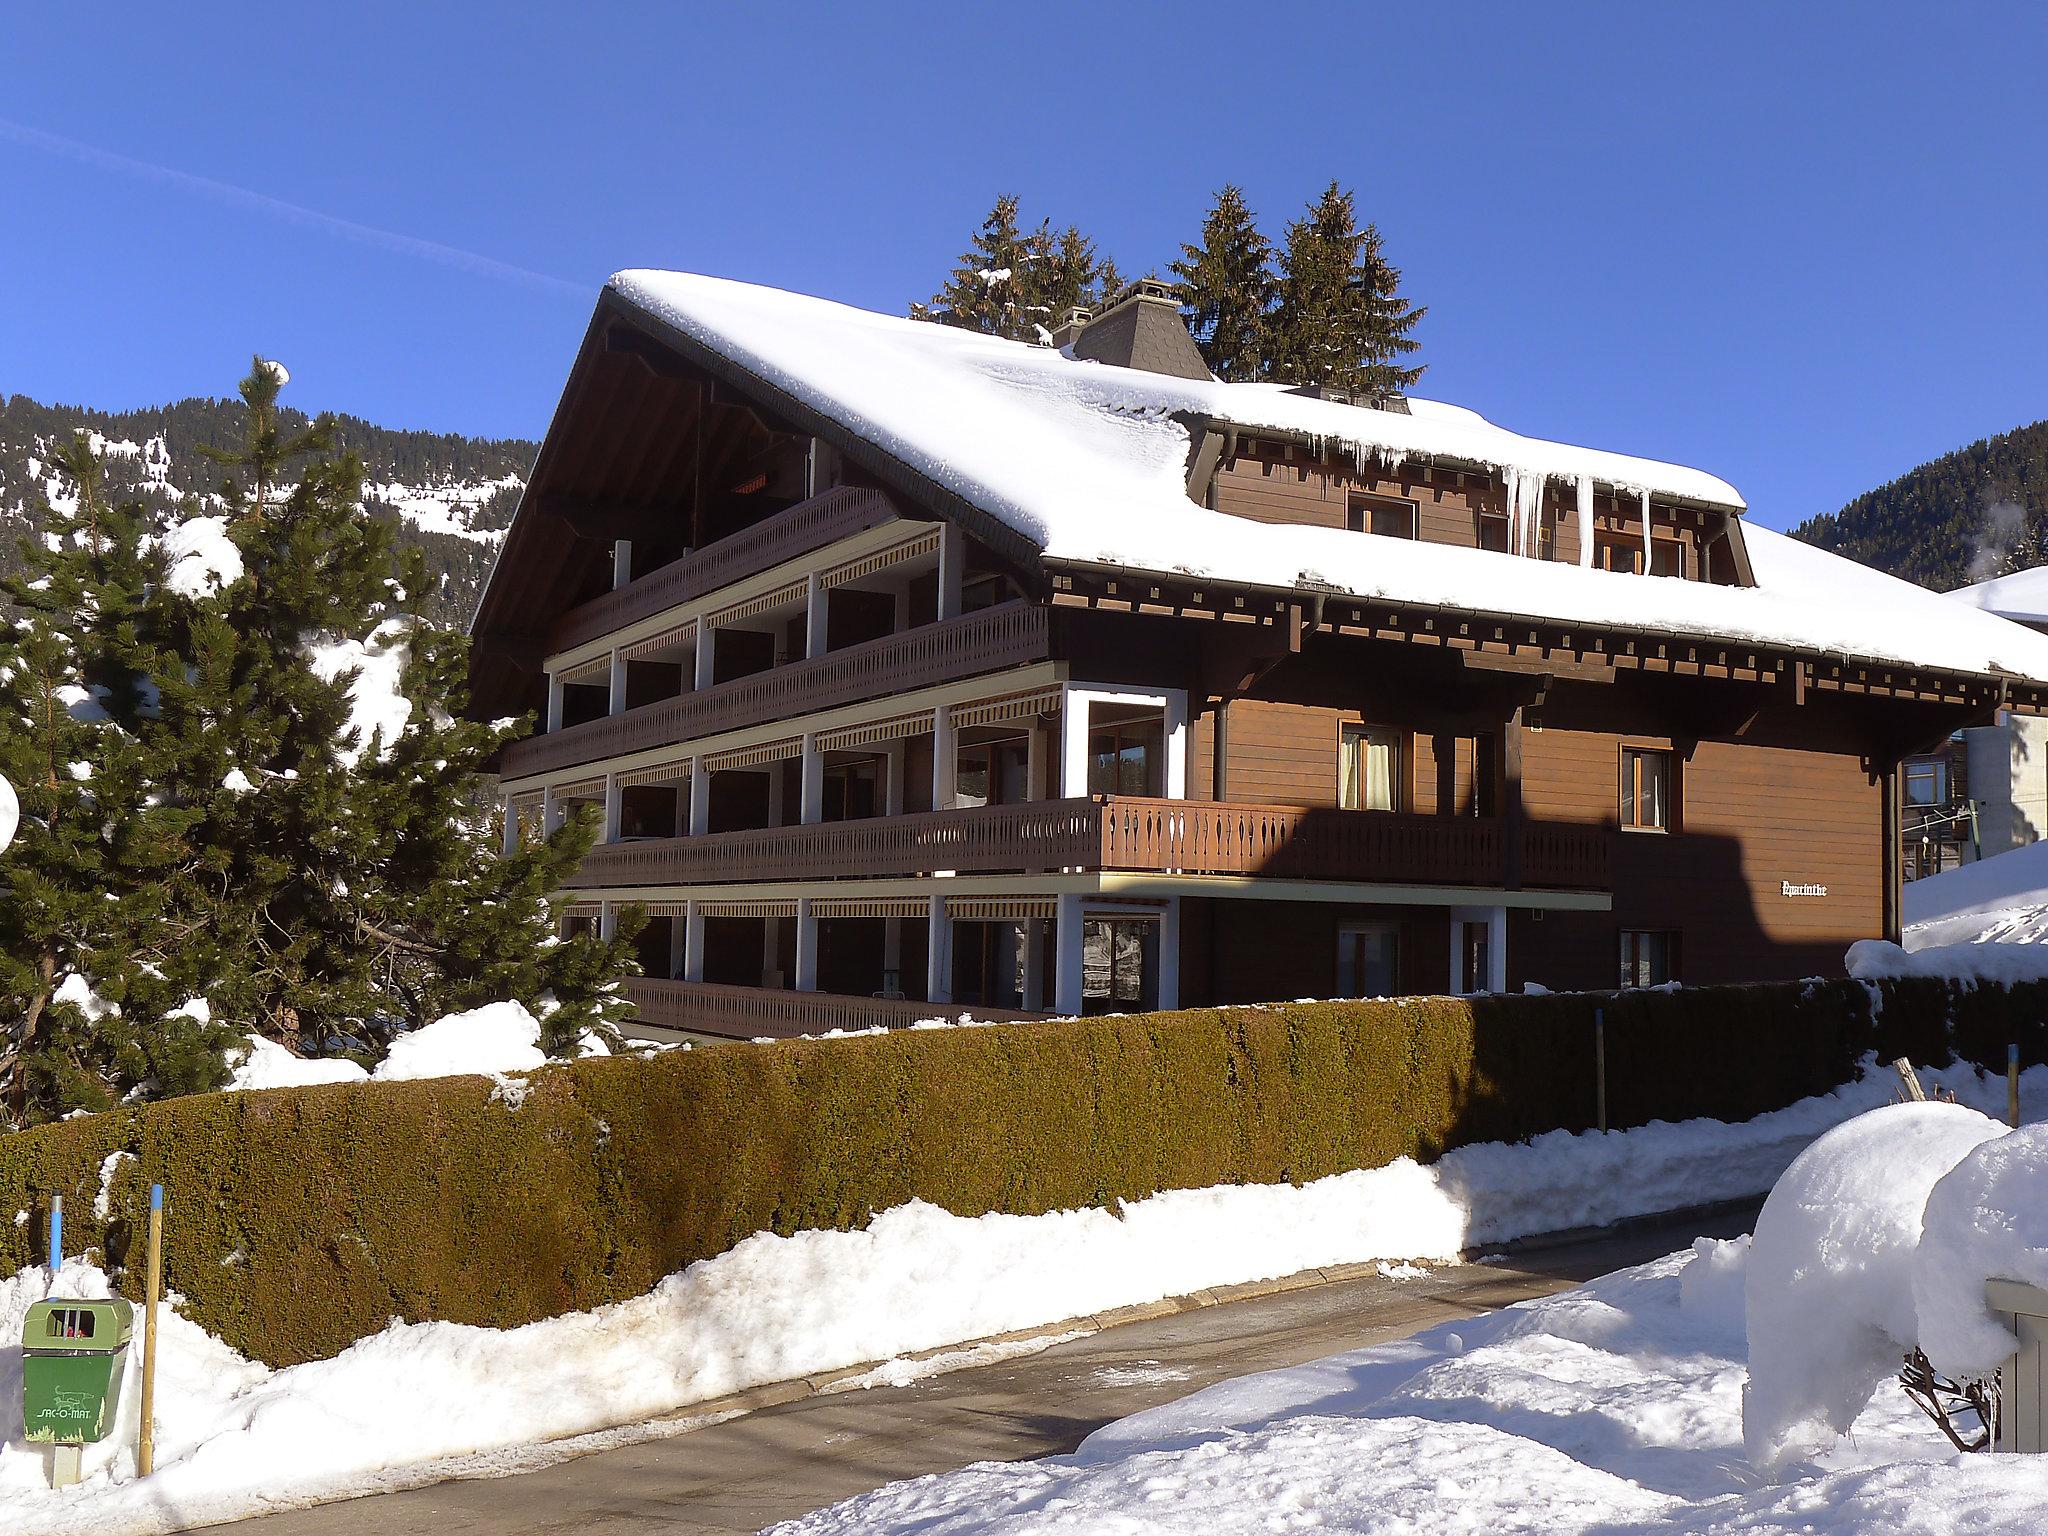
157 457
1979 512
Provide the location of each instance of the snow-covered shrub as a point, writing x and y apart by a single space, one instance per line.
1829 1291
1987 1218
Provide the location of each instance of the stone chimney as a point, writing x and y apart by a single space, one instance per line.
1140 328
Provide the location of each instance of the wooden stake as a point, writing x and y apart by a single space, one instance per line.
145 1450
2012 1086
1911 1081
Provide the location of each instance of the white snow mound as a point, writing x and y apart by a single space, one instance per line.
1997 964
1987 1219
487 1041
1829 1290
266 1064
378 707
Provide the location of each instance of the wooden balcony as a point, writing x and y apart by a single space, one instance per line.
753 1013
1120 834
991 640
824 519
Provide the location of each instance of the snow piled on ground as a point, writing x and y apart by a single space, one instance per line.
1830 1288
445 506
1633 1406
1999 900
1610 1410
236 1438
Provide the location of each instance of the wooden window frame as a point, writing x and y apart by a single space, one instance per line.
1481 518
1359 507
1627 791
1404 760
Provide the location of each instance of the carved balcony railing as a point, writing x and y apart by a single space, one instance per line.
753 1013
824 519
1119 834
990 640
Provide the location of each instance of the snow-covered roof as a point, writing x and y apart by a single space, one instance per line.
2023 595
1089 461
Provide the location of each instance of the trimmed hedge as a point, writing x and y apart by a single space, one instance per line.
303 1219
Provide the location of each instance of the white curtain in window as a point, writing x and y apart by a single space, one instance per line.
1380 769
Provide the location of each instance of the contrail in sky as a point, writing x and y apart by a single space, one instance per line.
291 213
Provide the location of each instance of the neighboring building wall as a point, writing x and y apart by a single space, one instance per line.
2008 778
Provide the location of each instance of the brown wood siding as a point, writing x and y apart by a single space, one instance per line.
1750 818
1280 491
1282 754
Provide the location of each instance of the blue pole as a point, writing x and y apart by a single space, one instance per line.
56 1233
156 1197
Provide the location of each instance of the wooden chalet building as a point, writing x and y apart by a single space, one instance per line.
908 667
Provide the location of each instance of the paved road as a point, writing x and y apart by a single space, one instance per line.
781 1462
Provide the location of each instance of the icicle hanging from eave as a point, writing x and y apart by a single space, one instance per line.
1586 521
1528 491
1648 564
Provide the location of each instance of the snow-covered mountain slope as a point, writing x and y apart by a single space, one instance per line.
450 495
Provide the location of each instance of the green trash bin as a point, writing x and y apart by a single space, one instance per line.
72 1355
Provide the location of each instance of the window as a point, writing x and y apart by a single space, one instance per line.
1646 782
1127 758
1493 532
1617 552
1119 965
1648 958
1667 557
1926 781
1368 960
1382 515
1369 768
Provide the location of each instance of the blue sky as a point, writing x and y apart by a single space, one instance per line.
1802 246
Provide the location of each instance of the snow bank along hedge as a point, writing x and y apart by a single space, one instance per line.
302 1219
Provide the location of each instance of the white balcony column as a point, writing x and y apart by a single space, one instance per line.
945 759
811 787
821 468
550 812
614 799
1066 964
938 954
1074 707
1034 761
607 920
700 798
1169 955
617 700
693 943
1496 949
622 562
554 702
1033 928
806 946
511 844
952 570
707 650
1176 733
817 615
897 757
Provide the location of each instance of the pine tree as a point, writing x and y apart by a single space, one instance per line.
1019 284
1339 319
1226 289
983 294
278 826
84 880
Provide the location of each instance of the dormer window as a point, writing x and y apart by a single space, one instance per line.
1388 516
